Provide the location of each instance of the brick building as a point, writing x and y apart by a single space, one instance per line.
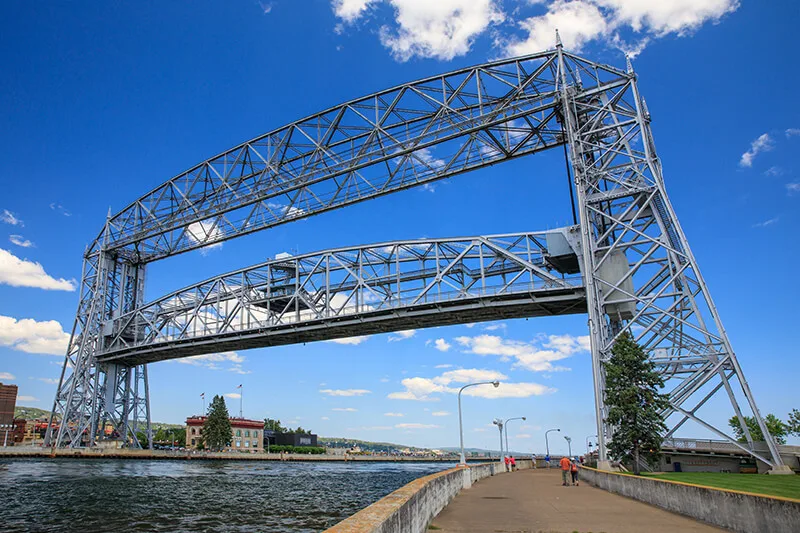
8 401
246 434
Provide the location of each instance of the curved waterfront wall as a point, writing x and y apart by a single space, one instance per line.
738 511
411 508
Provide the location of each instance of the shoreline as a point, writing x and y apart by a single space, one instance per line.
47 453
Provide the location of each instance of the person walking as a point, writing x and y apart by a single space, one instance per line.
565 465
574 469
547 460
513 464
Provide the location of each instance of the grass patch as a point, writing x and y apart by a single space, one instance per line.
784 486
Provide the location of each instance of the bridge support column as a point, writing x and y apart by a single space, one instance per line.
90 396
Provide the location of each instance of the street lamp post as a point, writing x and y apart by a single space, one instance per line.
569 444
463 459
505 424
547 444
589 444
499 423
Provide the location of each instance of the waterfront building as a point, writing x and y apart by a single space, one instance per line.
246 434
8 401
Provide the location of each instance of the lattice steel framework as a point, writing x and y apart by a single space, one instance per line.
638 272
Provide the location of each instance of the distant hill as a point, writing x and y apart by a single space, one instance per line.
29 413
342 442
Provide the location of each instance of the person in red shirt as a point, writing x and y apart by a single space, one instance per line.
574 469
513 463
565 465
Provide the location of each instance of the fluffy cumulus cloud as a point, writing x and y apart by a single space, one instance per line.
350 340
402 335
763 143
344 392
441 345
204 231
444 29
414 425
23 273
428 389
537 356
8 376
578 22
28 335
230 361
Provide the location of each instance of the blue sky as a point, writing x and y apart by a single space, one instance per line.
100 103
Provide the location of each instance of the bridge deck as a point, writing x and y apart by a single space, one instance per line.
534 501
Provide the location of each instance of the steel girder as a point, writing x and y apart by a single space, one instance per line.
344 292
639 274
388 141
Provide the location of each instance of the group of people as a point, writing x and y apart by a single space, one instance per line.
511 463
569 469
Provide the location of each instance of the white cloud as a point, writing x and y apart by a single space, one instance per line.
376 428
60 209
324 418
441 29
443 366
496 326
19 240
402 335
204 231
384 380
28 335
661 18
350 340
266 8
528 355
522 436
49 381
344 409
7 376
793 187
393 414
762 144
232 395
440 413
773 171
351 10
766 223
9 218
23 273
426 389
442 345
211 360
344 392
414 425
577 22
26 399
791 132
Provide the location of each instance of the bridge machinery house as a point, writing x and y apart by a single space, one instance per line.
246 434
273 438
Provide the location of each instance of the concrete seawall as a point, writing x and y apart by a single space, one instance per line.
411 508
738 511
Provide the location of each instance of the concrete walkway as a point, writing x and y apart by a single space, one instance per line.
533 501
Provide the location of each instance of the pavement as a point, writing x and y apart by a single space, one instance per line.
534 501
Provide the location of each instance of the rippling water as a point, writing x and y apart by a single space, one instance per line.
187 496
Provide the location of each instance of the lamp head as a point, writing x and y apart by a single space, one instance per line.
523 418
496 384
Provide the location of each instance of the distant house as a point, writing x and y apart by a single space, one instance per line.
289 439
246 434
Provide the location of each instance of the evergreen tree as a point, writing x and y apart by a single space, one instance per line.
634 404
217 432
777 428
794 423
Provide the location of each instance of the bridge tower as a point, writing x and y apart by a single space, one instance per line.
638 273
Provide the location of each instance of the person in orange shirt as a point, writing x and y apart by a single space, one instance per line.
565 465
574 469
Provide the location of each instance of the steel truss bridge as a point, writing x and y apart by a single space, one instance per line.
626 263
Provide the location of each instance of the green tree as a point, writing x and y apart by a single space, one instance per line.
777 428
217 427
794 423
634 404
274 425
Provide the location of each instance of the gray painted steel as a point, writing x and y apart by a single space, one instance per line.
637 273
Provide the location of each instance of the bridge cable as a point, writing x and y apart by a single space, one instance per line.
569 179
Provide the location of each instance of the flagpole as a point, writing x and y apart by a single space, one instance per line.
241 397
203 412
